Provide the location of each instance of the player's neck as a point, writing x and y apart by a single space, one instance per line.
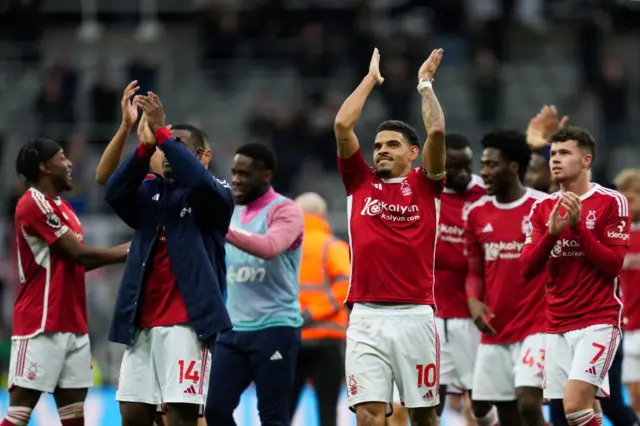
513 193
580 186
47 189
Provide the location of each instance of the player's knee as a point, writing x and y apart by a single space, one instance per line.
424 416
480 409
371 414
71 411
218 415
529 406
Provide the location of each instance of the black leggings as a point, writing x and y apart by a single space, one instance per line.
619 413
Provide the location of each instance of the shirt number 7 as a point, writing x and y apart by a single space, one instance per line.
600 350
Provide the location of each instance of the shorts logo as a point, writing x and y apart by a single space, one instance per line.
353 385
53 220
32 371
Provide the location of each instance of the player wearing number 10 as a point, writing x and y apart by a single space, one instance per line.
263 259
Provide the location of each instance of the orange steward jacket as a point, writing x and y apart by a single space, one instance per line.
324 281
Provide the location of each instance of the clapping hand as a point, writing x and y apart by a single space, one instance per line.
374 67
129 104
543 125
153 109
572 205
430 66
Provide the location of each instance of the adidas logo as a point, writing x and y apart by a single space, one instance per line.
276 356
191 390
540 375
487 228
428 395
591 370
377 186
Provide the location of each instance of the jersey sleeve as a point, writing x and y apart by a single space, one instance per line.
474 283
354 171
39 218
471 245
536 226
618 222
434 186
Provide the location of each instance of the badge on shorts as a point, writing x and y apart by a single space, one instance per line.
53 220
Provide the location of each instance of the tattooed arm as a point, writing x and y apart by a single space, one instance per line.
352 108
434 152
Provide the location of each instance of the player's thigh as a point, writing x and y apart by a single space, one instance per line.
594 349
631 358
448 373
529 362
181 364
36 363
77 372
557 365
464 343
367 364
415 358
494 378
137 381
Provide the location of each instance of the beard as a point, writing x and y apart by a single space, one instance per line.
383 174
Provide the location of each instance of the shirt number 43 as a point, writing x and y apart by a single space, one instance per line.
187 371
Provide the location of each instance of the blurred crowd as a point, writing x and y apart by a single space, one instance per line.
327 45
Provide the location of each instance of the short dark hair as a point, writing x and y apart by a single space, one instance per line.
199 137
401 127
261 153
583 138
32 154
456 141
512 144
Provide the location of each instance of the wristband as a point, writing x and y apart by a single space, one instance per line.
423 84
162 134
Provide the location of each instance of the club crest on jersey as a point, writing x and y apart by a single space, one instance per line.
53 220
405 188
590 220
527 228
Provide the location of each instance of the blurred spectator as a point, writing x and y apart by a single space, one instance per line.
64 67
104 106
487 88
312 58
142 69
24 20
219 38
399 85
289 144
81 173
54 109
321 140
260 123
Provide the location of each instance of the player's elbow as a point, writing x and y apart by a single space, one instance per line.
101 177
342 127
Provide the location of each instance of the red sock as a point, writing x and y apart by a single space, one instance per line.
78 421
593 422
17 416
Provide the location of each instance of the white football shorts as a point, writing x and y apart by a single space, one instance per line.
631 359
50 360
387 344
460 339
585 354
164 365
500 369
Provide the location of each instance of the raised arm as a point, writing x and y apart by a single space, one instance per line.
434 151
113 153
351 109
285 227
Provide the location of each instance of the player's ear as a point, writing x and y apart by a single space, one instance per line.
268 176
513 167
587 159
42 167
415 151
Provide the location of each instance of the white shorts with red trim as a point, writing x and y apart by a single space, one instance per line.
49 360
460 341
164 365
631 359
392 344
585 354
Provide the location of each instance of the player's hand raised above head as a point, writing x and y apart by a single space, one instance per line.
430 66
543 125
129 104
145 135
153 109
374 66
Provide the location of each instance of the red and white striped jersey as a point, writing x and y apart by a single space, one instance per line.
51 297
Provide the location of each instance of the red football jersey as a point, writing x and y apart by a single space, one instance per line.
451 262
578 296
495 233
161 303
52 295
392 233
630 281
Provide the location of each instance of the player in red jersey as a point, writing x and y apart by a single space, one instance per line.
459 336
393 214
50 349
628 183
506 308
580 235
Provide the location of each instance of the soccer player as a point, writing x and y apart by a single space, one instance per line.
580 235
50 350
507 309
459 336
393 212
263 263
628 183
170 302
538 174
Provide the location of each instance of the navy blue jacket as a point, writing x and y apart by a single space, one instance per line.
196 211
